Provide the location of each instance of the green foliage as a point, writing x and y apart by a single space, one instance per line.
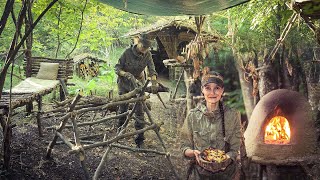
257 24
15 79
101 28
101 31
114 55
234 99
100 85
7 34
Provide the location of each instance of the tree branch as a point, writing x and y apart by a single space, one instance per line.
59 19
82 13
5 15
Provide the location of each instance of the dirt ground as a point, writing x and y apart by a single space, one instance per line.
28 149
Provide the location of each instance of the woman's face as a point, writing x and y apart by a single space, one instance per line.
212 92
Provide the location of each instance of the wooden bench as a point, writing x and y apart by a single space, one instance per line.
20 98
65 71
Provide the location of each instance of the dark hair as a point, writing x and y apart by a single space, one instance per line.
226 144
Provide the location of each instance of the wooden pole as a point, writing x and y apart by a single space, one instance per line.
139 150
115 139
7 137
188 95
63 90
81 154
160 139
94 122
177 85
68 143
105 155
164 105
63 123
102 162
283 36
39 99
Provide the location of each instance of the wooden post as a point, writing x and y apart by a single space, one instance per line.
62 95
188 95
2 115
261 169
160 139
39 99
6 145
78 144
105 155
29 107
177 85
7 136
63 90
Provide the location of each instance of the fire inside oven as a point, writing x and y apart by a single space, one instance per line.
277 131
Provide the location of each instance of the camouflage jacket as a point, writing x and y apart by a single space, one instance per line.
133 62
202 130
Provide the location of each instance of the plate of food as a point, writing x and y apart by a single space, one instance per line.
214 160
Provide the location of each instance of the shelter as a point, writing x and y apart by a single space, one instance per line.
171 38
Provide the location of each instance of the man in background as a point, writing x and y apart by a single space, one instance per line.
130 71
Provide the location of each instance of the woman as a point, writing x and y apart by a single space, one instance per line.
211 124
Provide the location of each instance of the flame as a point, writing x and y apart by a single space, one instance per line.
277 131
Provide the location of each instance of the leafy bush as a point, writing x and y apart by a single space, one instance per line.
234 99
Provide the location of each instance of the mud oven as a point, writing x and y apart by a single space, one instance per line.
281 129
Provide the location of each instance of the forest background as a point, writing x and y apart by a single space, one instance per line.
248 33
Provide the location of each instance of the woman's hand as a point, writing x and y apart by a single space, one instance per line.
197 154
192 153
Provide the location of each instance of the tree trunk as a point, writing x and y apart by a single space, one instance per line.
312 73
5 15
268 76
285 76
246 89
28 23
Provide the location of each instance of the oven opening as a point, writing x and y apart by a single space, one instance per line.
277 131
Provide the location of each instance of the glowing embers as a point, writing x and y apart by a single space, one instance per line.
277 131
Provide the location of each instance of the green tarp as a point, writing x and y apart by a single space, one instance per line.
173 7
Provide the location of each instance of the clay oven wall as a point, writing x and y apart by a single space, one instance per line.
293 106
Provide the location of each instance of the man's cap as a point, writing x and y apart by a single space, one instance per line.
212 77
145 39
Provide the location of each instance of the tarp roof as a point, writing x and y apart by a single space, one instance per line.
173 7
